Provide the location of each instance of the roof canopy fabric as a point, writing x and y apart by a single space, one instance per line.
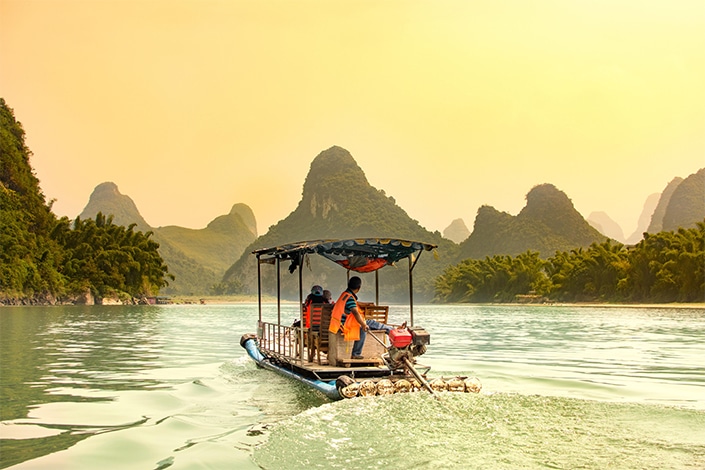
360 254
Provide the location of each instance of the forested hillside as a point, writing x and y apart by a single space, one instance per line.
211 250
686 206
656 224
44 259
107 199
30 259
547 251
338 202
663 267
197 258
547 223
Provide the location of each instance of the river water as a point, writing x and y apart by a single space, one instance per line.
157 387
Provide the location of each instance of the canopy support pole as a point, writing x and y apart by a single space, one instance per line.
411 293
301 308
301 287
416 260
412 265
259 289
377 287
279 290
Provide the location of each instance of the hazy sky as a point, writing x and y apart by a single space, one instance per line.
192 106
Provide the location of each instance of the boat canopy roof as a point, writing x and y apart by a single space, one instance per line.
357 254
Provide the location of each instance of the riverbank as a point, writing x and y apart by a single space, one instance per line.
239 299
46 301
215 300
696 305
218 299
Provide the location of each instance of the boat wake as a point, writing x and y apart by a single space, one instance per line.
507 431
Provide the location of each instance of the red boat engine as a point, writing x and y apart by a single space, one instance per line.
407 343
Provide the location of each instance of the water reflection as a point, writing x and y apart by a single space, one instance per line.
170 386
47 352
612 353
101 348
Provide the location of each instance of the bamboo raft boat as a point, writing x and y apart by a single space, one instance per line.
322 359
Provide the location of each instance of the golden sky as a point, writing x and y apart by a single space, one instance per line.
191 106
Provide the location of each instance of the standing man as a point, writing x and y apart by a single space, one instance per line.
347 314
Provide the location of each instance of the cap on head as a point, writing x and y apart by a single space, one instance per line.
317 290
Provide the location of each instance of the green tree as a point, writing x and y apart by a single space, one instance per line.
664 267
42 258
494 279
109 258
592 274
668 267
29 258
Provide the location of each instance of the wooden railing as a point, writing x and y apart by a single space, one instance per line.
292 342
281 340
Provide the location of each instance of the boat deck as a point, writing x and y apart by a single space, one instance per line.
363 368
286 345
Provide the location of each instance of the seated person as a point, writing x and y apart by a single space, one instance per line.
315 297
348 317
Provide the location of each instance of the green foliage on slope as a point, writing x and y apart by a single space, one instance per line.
42 258
29 258
217 246
686 206
656 223
665 267
200 257
110 259
197 258
107 199
547 223
338 202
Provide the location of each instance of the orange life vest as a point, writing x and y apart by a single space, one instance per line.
351 328
307 314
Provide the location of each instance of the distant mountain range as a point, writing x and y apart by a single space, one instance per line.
457 231
661 211
547 223
686 206
197 258
106 198
606 226
680 204
644 219
338 202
